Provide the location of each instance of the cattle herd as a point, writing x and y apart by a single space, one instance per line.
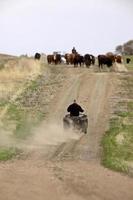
77 59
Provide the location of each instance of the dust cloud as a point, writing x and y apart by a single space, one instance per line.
51 134
6 139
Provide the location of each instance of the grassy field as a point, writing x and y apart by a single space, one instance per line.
129 65
118 140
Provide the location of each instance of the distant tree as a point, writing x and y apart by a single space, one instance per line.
126 48
119 49
24 55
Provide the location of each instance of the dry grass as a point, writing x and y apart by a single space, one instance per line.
15 74
19 69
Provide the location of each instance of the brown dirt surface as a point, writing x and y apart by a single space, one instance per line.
66 165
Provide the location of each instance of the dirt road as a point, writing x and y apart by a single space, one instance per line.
64 165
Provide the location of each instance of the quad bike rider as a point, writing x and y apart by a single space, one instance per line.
76 120
74 109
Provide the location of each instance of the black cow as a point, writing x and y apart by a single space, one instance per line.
78 60
89 59
92 59
37 56
104 60
128 60
57 59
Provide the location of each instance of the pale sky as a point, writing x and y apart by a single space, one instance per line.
91 26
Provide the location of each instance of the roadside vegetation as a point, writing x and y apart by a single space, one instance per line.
27 88
7 153
18 76
118 140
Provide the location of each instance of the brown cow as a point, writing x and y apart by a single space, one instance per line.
118 59
50 59
114 58
74 59
54 59
69 58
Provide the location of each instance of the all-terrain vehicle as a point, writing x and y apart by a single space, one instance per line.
79 123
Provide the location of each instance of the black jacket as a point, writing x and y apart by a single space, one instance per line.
74 109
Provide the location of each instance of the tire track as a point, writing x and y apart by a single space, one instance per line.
87 147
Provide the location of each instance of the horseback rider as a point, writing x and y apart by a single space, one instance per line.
74 109
74 50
